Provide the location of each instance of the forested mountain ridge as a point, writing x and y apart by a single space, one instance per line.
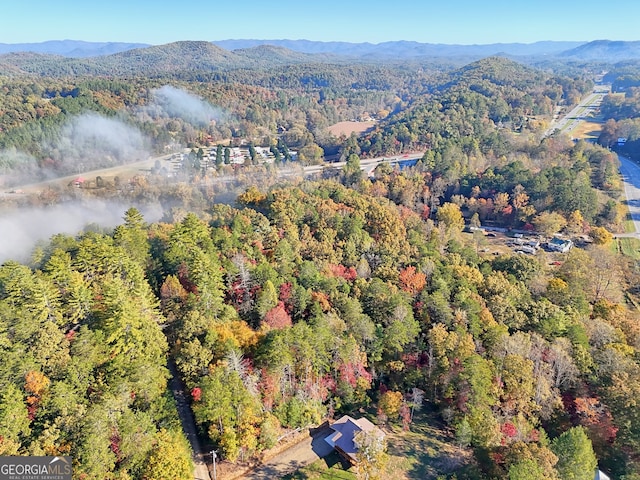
70 48
611 51
464 112
406 49
236 54
402 49
163 59
82 59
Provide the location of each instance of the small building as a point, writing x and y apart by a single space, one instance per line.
526 249
343 432
78 182
600 475
471 229
559 245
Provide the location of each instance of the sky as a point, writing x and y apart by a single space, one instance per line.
463 22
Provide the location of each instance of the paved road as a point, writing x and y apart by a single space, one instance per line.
630 172
366 164
587 108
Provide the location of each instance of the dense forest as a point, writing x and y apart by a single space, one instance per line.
300 300
417 106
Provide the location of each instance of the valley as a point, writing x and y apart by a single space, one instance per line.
266 240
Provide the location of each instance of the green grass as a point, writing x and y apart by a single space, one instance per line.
629 226
328 468
629 247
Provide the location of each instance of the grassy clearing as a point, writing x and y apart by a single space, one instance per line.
328 468
347 128
629 247
424 452
629 226
587 130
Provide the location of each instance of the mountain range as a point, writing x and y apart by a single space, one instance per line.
605 49
406 49
71 48
173 58
397 49
69 57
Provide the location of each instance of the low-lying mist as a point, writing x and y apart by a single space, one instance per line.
175 102
87 142
23 229
16 167
91 141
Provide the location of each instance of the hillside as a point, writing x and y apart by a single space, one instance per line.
171 58
612 51
272 54
281 302
497 70
67 58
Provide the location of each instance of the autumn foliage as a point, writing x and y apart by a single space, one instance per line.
412 281
277 317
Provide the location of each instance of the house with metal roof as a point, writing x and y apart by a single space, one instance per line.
344 430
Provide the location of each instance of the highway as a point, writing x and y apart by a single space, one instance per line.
583 111
630 172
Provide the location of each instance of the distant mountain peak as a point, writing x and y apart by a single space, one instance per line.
403 48
390 49
609 50
71 48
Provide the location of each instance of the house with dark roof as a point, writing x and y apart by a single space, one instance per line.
343 433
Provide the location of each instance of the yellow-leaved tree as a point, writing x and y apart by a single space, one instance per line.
170 458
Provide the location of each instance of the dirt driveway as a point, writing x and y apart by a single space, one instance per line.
299 455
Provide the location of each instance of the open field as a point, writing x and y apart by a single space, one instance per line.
587 130
629 246
347 128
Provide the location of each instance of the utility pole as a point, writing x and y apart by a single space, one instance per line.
213 457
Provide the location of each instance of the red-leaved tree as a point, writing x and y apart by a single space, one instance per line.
277 317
